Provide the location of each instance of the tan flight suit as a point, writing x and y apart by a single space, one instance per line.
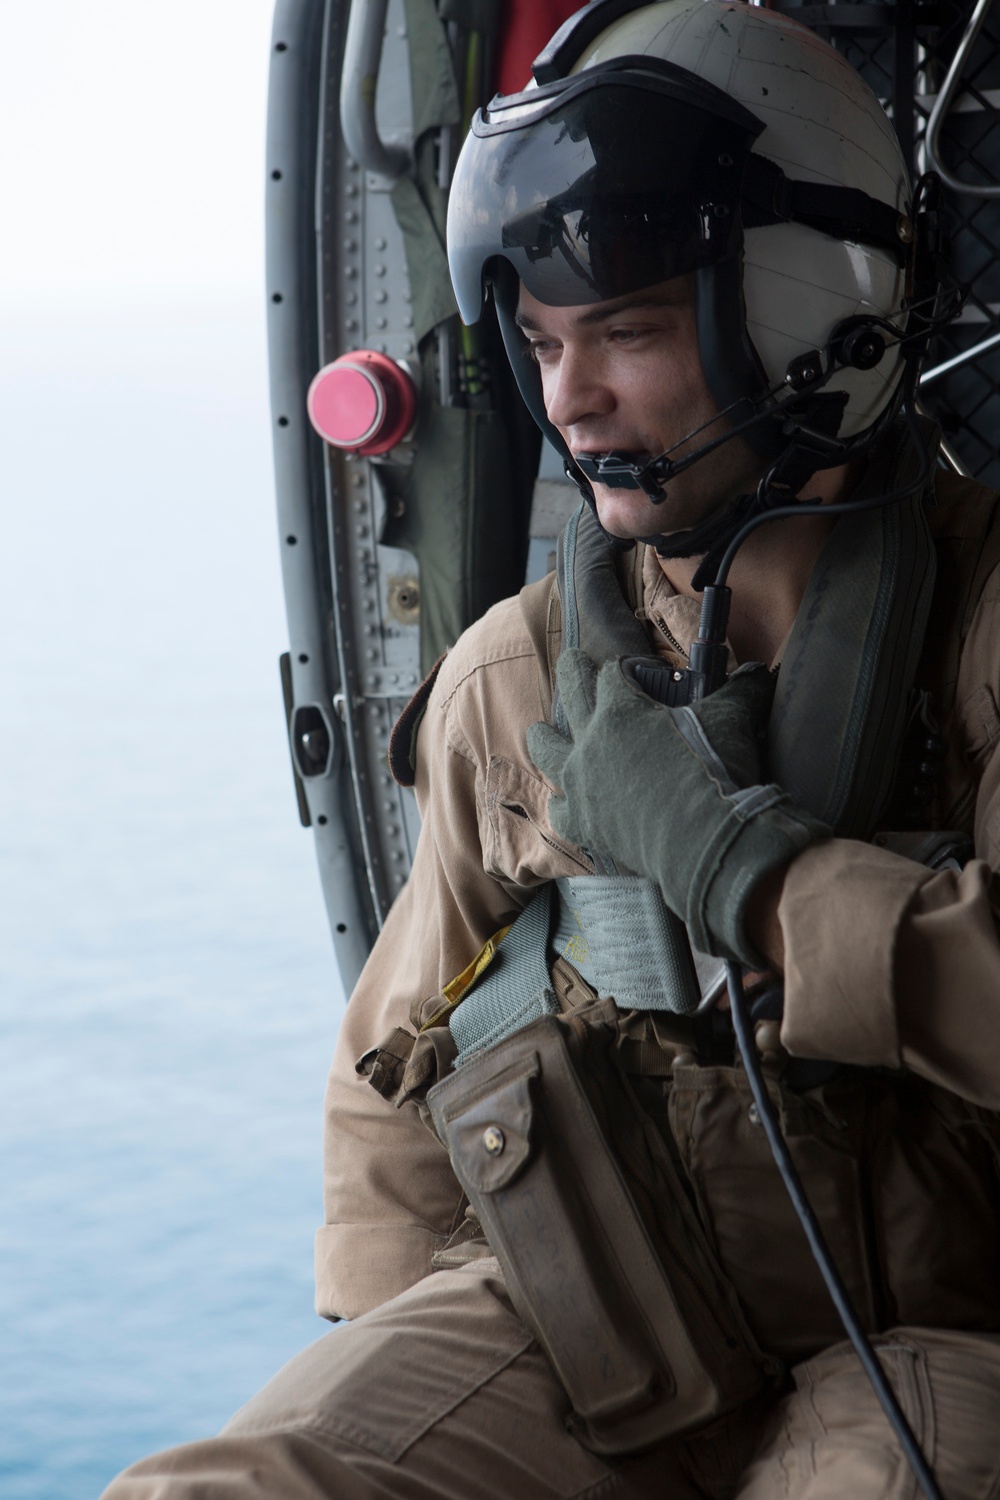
436 1389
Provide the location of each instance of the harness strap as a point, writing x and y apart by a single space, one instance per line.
605 627
516 988
620 937
843 690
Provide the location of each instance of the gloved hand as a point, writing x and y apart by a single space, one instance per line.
673 793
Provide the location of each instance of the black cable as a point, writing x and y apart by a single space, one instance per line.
838 508
817 1244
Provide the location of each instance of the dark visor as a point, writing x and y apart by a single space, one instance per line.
600 189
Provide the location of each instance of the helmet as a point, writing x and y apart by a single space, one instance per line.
714 138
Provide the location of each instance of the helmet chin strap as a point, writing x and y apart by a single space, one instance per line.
807 449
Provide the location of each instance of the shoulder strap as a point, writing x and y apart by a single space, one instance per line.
605 627
843 693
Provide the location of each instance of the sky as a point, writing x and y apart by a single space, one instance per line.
168 997
132 138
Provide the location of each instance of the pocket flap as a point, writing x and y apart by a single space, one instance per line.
490 1140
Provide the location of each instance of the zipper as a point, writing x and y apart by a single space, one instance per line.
671 639
557 845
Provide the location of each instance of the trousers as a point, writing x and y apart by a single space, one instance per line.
442 1394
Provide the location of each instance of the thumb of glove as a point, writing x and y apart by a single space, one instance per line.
576 679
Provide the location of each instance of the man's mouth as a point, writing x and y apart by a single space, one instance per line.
622 469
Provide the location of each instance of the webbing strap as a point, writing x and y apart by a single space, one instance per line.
516 988
605 627
843 690
620 937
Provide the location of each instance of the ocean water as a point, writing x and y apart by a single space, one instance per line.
168 997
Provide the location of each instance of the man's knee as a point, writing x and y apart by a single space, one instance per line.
830 1437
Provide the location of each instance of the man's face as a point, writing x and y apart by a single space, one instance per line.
626 374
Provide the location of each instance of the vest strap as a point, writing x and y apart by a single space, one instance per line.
620 937
843 693
516 988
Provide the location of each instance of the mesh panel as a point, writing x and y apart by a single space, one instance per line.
903 52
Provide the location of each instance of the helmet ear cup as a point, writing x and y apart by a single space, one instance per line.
858 343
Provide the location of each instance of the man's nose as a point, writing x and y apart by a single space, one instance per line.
576 390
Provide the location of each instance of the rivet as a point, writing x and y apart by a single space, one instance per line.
753 1115
493 1140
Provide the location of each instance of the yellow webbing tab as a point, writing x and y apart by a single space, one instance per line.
454 990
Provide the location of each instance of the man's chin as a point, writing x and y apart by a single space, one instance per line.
630 514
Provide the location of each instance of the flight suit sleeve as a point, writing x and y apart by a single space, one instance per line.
391 1198
888 963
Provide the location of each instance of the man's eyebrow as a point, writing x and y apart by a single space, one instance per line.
604 310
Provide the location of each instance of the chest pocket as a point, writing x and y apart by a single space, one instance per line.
519 842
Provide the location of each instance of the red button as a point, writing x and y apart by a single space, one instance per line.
363 402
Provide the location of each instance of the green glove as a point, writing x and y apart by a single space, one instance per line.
674 793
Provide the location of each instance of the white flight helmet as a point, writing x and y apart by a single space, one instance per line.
715 138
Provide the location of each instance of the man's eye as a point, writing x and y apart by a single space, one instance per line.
539 349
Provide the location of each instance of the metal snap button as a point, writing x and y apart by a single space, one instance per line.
493 1140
